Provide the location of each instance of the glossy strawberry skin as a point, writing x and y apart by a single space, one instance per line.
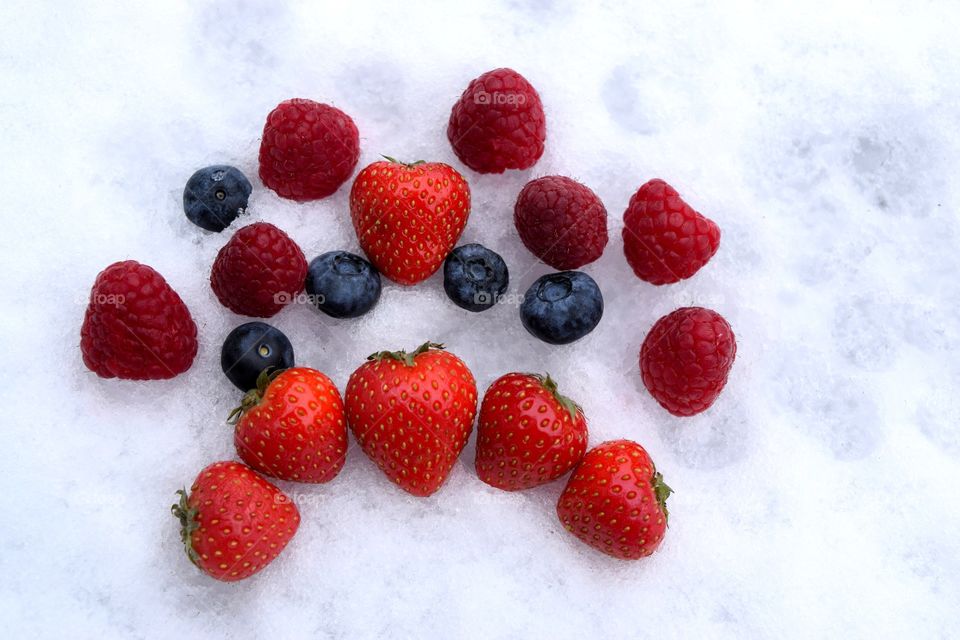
413 418
259 271
240 522
561 221
308 149
136 327
297 430
498 123
664 239
686 358
409 217
615 501
525 435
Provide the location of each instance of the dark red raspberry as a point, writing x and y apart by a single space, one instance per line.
498 123
136 327
685 359
561 221
259 271
308 149
665 240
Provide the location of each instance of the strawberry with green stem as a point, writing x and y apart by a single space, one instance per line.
412 413
292 426
409 216
233 523
528 433
616 501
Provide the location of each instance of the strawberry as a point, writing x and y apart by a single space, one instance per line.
292 426
412 414
408 217
234 523
616 501
528 434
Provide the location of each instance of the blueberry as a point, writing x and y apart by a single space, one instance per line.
562 307
251 348
343 285
215 196
475 277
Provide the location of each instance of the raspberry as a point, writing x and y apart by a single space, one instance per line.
685 359
665 240
308 149
136 326
259 271
498 123
561 221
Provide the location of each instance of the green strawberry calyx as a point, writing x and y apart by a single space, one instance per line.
253 397
403 356
662 491
188 523
406 164
551 385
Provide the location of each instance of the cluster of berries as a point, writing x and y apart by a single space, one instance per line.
412 413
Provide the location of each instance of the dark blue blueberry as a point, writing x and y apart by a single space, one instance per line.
215 196
251 348
475 277
562 307
343 285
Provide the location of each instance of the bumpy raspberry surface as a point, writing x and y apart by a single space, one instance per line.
308 149
498 123
259 271
136 326
685 359
664 239
561 221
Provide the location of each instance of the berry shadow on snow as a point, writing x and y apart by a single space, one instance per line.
835 410
863 333
715 439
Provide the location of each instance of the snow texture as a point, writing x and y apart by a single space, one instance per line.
817 498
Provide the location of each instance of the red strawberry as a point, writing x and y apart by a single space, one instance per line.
292 426
259 271
528 434
408 217
234 523
498 123
308 149
136 327
561 221
685 359
616 501
665 240
412 414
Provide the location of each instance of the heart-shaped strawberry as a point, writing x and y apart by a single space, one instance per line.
412 414
408 217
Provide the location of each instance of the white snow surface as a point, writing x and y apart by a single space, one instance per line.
816 498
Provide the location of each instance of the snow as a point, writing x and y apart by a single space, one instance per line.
816 498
